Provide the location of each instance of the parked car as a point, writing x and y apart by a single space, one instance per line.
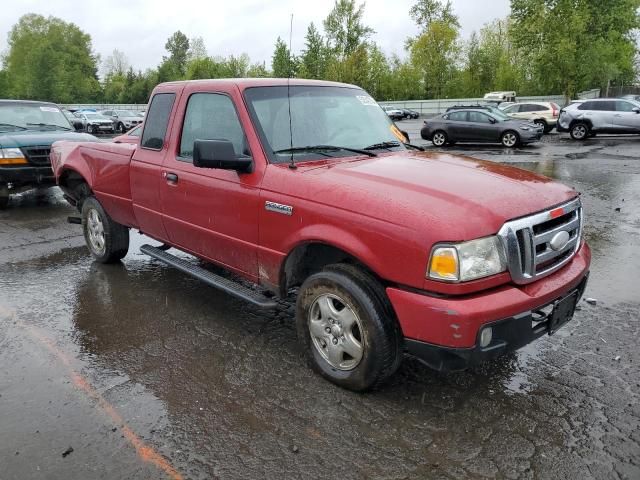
408 113
499 97
27 130
544 114
389 249
486 107
132 136
479 125
95 122
76 122
393 113
635 98
601 115
123 120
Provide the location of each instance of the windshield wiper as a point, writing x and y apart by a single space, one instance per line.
11 125
314 148
391 144
48 125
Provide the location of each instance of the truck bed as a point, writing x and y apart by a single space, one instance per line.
105 166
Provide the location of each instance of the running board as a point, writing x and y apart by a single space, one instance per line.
216 281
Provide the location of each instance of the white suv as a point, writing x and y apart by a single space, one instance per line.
602 115
544 114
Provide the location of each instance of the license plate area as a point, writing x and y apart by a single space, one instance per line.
562 312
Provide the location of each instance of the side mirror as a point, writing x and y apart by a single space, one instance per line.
406 135
219 154
493 120
636 109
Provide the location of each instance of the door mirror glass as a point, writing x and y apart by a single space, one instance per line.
219 154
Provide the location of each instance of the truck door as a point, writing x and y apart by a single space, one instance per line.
211 212
146 166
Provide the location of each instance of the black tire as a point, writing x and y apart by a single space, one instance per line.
510 139
4 200
439 138
379 335
115 237
543 124
90 129
120 128
580 131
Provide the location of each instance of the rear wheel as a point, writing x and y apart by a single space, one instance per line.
439 138
509 139
107 240
543 124
347 328
579 131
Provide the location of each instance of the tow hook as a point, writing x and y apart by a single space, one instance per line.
75 220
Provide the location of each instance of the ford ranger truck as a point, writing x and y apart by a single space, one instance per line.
390 250
27 130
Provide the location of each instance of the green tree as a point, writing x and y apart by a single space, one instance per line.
178 47
313 59
344 28
49 59
571 45
426 11
435 54
282 62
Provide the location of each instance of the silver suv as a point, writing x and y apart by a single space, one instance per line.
123 120
603 115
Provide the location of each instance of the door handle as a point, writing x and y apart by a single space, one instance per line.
171 178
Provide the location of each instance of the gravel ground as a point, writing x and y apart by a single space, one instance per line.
136 371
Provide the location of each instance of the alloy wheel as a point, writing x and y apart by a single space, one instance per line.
336 332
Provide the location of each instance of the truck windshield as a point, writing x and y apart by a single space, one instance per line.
26 116
345 119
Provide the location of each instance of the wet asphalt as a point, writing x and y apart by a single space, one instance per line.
135 371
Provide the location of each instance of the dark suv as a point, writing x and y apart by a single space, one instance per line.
601 115
27 130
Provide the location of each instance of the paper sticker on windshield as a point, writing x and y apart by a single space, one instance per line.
366 100
49 109
399 135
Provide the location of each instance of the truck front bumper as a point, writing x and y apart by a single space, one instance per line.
444 332
20 177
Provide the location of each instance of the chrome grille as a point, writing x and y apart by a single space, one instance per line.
37 155
535 245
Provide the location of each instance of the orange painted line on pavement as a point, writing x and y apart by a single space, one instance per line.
145 452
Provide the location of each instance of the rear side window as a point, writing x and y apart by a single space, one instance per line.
459 116
478 117
211 116
534 108
155 127
512 109
622 106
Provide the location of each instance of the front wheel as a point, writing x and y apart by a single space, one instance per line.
347 327
4 197
439 138
120 128
579 131
107 240
509 139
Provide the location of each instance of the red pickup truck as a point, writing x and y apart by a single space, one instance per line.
307 186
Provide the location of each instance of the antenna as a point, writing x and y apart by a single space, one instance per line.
292 164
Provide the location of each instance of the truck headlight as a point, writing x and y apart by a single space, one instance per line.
466 261
11 156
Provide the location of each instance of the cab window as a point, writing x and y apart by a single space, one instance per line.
157 120
211 116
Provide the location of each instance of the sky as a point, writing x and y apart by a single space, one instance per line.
140 28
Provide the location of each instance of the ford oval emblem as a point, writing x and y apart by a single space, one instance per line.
559 241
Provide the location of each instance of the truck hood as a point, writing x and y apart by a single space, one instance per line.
465 197
32 138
